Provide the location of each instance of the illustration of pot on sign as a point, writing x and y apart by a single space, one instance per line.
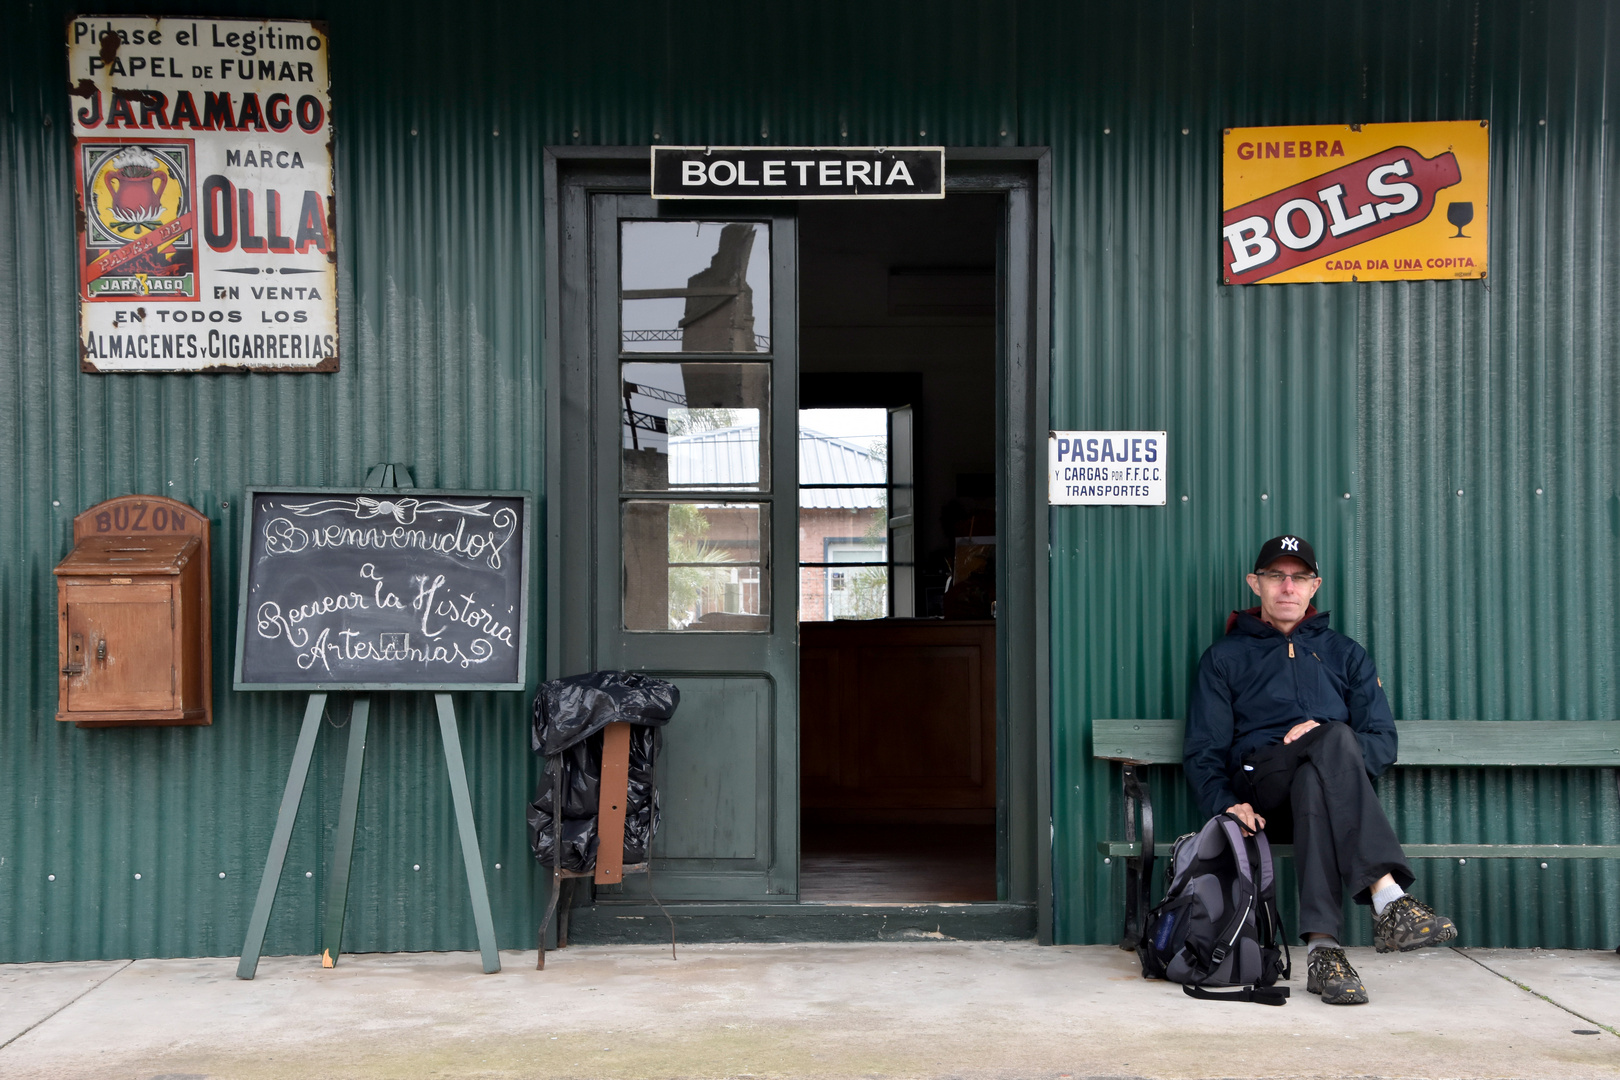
137 187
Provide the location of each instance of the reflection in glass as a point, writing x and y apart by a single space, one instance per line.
695 426
695 286
695 566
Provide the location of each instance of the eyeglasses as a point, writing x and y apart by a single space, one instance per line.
1276 577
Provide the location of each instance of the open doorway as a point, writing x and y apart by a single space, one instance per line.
897 550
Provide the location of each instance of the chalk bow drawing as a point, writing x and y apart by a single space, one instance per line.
403 511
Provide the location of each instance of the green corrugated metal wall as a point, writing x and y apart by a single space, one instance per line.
1439 408
1496 604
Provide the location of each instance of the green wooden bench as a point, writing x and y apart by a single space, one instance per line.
1423 744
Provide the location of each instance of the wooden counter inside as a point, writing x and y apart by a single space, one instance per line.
897 721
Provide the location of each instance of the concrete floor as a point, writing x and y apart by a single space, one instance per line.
923 1009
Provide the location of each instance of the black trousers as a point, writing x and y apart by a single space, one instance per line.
1316 790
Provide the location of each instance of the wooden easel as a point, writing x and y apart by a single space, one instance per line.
337 890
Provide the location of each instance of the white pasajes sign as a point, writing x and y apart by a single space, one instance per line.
203 167
1106 468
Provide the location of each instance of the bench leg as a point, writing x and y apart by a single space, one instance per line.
1138 868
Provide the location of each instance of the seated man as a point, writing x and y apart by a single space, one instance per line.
1288 723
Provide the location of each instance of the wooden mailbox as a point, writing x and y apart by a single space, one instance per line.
133 616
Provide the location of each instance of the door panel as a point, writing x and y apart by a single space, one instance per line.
714 807
692 477
126 665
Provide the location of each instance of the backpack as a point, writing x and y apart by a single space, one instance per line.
1217 924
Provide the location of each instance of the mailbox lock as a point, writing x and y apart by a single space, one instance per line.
75 664
101 650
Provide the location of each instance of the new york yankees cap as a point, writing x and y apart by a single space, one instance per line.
1293 546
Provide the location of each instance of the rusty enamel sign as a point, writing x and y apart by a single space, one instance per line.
203 170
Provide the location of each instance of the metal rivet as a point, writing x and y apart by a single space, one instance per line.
1004 131
1347 494
656 135
1264 496
576 133
497 866
1107 130
1184 498
1543 123
58 502
921 133
224 506
50 877
1107 861
138 877
1544 866
416 866
309 873
413 132
1538 491
222 875
1184 131
1459 492
497 131
1462 862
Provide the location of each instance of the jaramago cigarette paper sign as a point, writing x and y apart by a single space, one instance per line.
203 164
1367 202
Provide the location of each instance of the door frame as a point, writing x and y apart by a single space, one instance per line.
1023 176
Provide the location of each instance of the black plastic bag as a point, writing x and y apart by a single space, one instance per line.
569 717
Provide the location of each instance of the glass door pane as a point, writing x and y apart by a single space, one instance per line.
695 286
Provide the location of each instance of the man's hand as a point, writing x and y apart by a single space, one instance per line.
1299 729
1252 821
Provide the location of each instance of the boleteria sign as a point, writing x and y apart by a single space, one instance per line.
1367 202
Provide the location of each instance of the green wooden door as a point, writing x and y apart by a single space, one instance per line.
692 470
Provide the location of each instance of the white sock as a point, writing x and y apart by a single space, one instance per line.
1321 943
1385 897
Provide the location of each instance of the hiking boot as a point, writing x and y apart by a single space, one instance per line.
1408 924
1330 974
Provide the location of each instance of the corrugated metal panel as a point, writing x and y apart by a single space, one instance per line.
1396 394
441 114
1471 425
440 291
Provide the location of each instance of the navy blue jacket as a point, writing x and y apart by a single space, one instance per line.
1256 683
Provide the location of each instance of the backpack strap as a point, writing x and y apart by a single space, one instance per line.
1233 830
1258 995
1267 875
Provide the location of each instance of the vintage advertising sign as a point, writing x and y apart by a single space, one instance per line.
1106 468
203 164
1363 202
798 172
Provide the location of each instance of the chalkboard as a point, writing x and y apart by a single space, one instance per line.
383 589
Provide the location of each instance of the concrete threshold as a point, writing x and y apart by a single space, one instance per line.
639 923
924 1009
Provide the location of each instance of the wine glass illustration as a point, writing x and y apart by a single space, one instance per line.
1460 214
